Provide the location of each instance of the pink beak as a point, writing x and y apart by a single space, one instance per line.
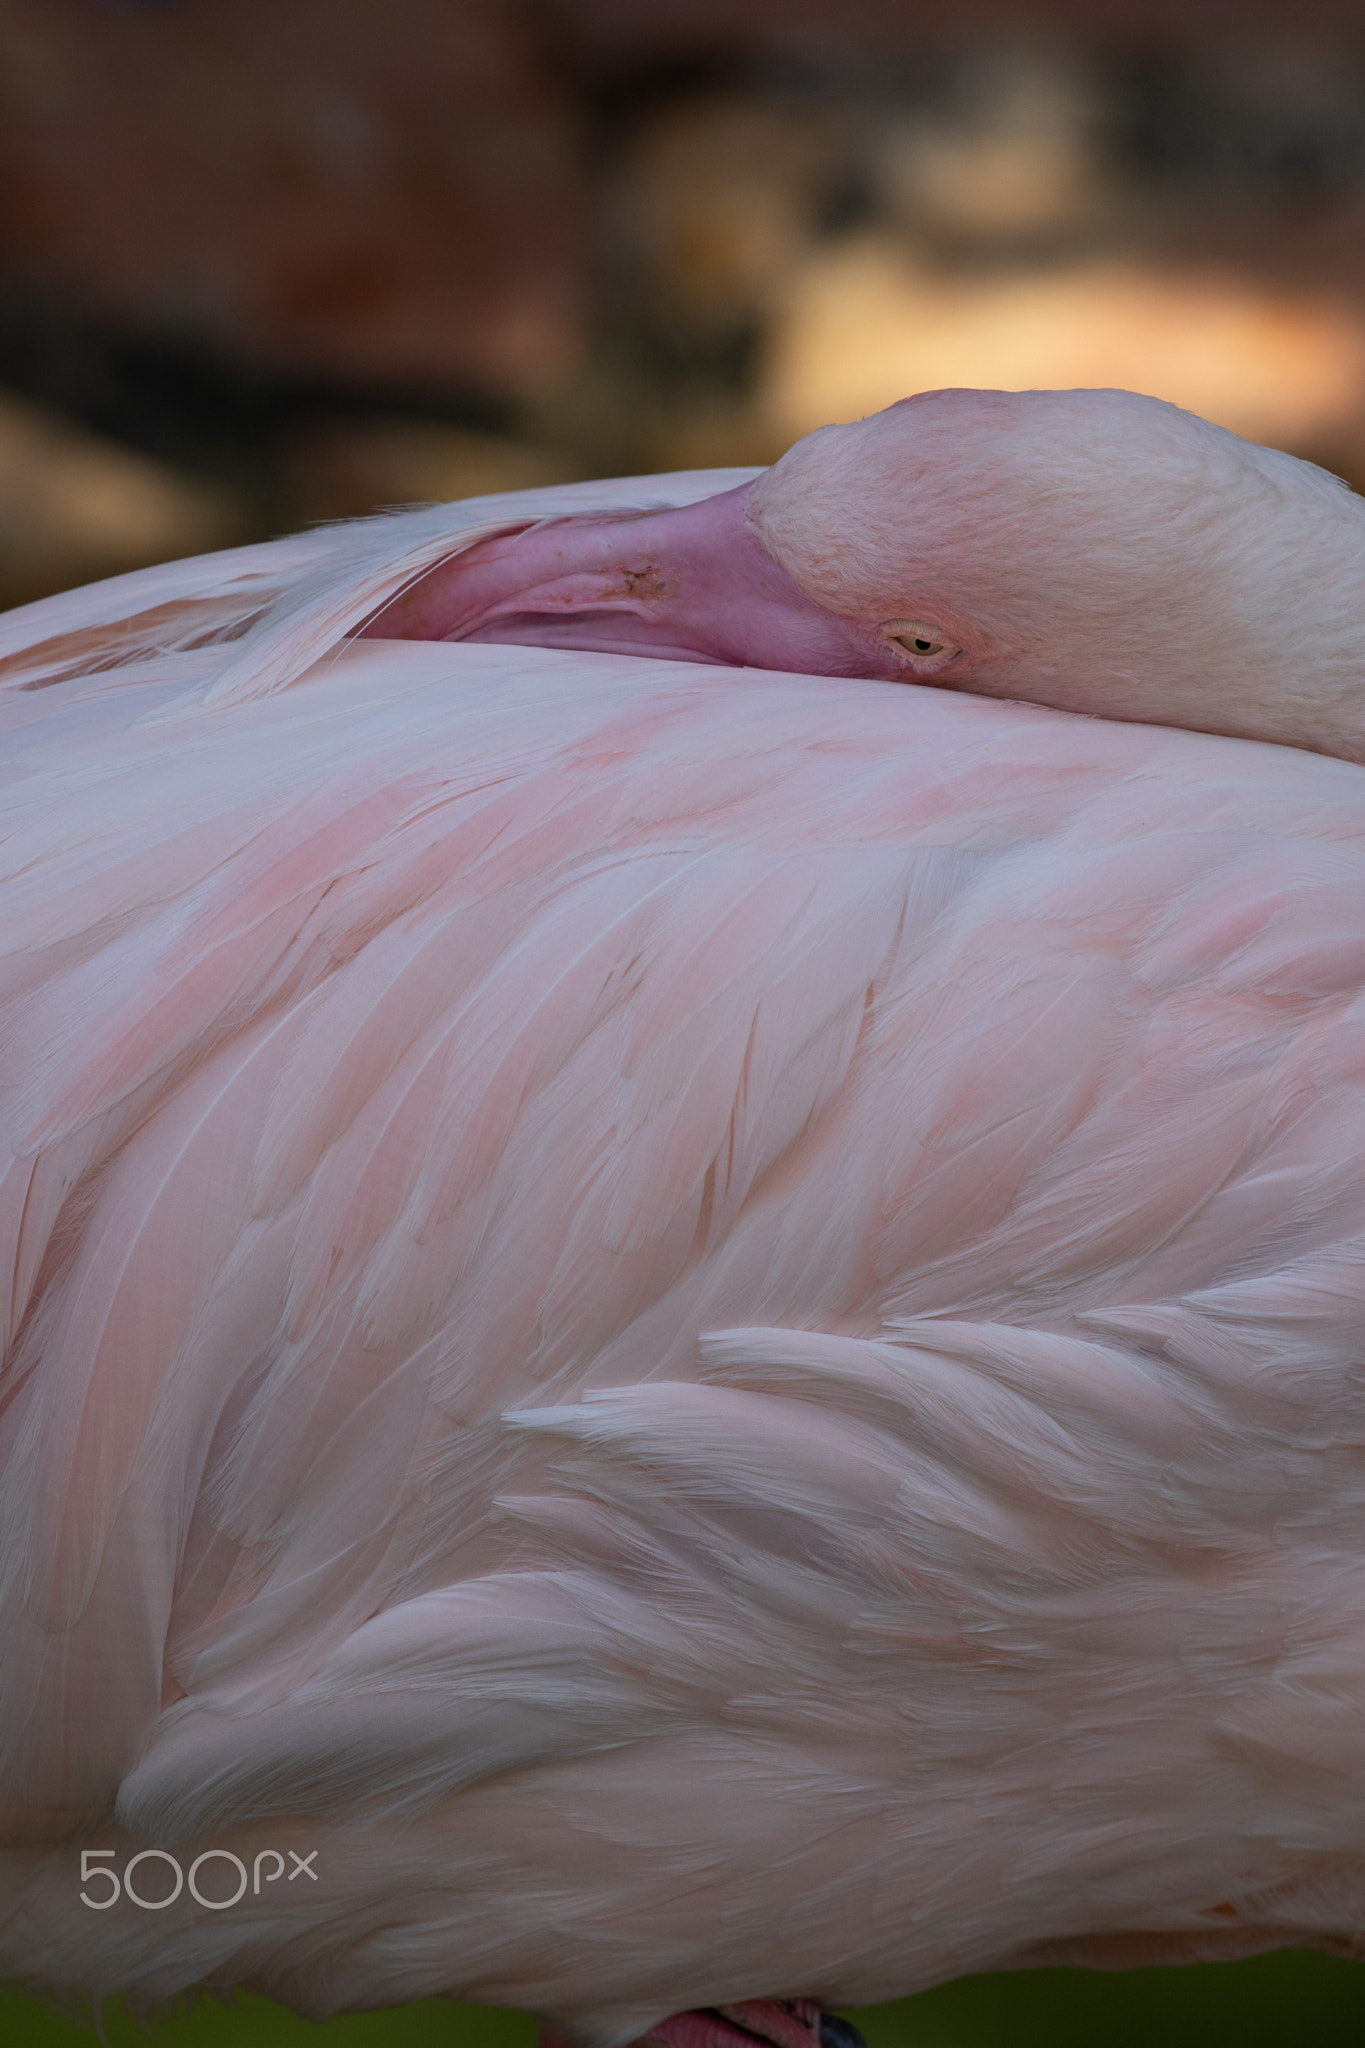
691 584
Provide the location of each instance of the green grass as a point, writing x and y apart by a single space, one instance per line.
1280 2001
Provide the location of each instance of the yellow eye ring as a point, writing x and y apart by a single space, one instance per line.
927 645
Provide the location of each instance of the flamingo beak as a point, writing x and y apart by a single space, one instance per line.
692 583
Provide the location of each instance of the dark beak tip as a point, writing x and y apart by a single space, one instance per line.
839 2033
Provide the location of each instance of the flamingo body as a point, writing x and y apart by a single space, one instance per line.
705 1324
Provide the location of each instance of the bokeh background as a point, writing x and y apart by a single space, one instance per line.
269 262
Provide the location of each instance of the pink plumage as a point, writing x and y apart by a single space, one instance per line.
703 1323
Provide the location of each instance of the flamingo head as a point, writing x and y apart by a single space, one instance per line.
1096 551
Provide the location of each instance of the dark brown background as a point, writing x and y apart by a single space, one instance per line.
269 261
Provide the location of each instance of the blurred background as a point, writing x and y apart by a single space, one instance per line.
269 262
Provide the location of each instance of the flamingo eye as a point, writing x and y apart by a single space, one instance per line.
927 645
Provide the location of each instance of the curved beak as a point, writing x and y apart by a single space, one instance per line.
688 584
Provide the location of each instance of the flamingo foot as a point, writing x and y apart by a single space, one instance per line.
757 2023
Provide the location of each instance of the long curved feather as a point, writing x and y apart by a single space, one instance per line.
705 1321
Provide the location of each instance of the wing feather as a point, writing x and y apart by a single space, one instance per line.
424 1032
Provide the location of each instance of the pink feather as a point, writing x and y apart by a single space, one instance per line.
704 1323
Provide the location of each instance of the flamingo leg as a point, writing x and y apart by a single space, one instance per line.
779 2022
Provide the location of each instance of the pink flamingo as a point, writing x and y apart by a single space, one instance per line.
694 1335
